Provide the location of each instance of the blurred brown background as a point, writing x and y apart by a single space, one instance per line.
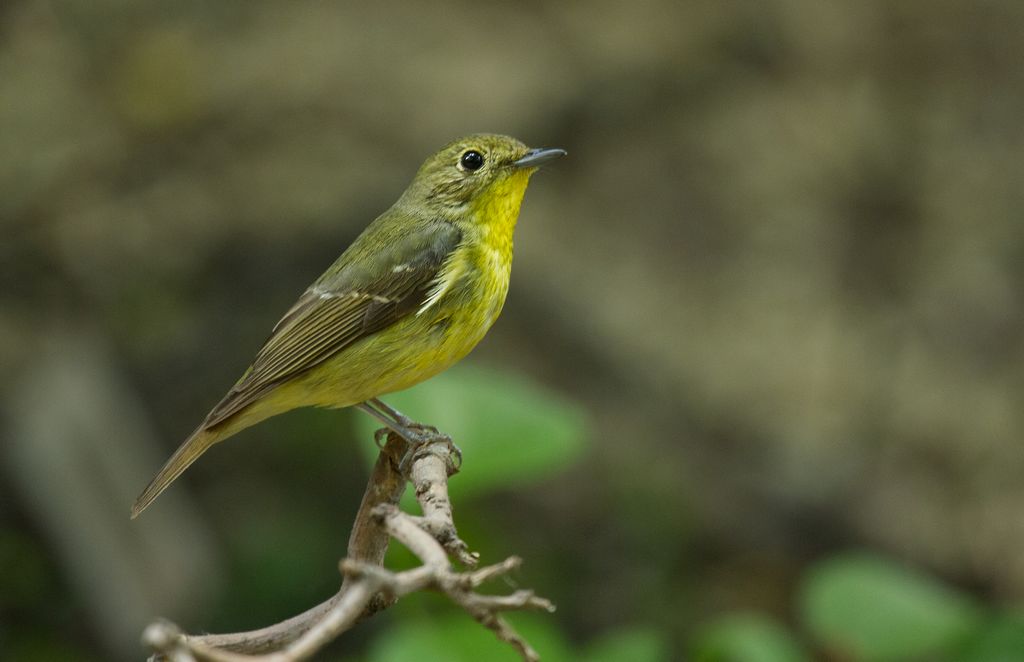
781 269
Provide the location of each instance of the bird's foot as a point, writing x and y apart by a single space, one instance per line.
426 439
420 437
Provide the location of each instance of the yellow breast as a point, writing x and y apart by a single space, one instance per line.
470 290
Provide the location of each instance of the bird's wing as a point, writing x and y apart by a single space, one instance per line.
341 308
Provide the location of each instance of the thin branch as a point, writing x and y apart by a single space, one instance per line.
367 587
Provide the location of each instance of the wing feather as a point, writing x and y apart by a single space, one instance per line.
344 306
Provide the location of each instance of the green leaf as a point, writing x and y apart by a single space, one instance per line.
511 431
1002 640
866 608
629 645
36 644
458 638
746 638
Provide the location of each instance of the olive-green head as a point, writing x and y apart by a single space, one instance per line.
474 168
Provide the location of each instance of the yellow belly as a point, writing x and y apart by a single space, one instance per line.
411 351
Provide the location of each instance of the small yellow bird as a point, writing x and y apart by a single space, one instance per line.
413 294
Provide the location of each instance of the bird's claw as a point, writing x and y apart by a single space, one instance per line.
421 438
380 437
456 454
426 443
426 430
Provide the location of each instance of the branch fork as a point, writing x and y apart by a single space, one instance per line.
367 587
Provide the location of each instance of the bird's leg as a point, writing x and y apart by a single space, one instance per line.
396 426
398 416
395 415
432 433
417 434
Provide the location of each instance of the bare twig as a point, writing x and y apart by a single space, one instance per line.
367 587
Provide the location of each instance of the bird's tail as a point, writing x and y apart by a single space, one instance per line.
187 453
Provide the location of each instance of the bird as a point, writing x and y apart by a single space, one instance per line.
411 296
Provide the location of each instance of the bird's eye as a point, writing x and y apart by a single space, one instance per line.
472 160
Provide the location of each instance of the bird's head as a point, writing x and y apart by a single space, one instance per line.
476 171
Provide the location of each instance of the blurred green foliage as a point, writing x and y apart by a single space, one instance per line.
457 638
746 638
871 609
1000 639
510 430
865 607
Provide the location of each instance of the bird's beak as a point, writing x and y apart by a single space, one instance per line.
538 157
